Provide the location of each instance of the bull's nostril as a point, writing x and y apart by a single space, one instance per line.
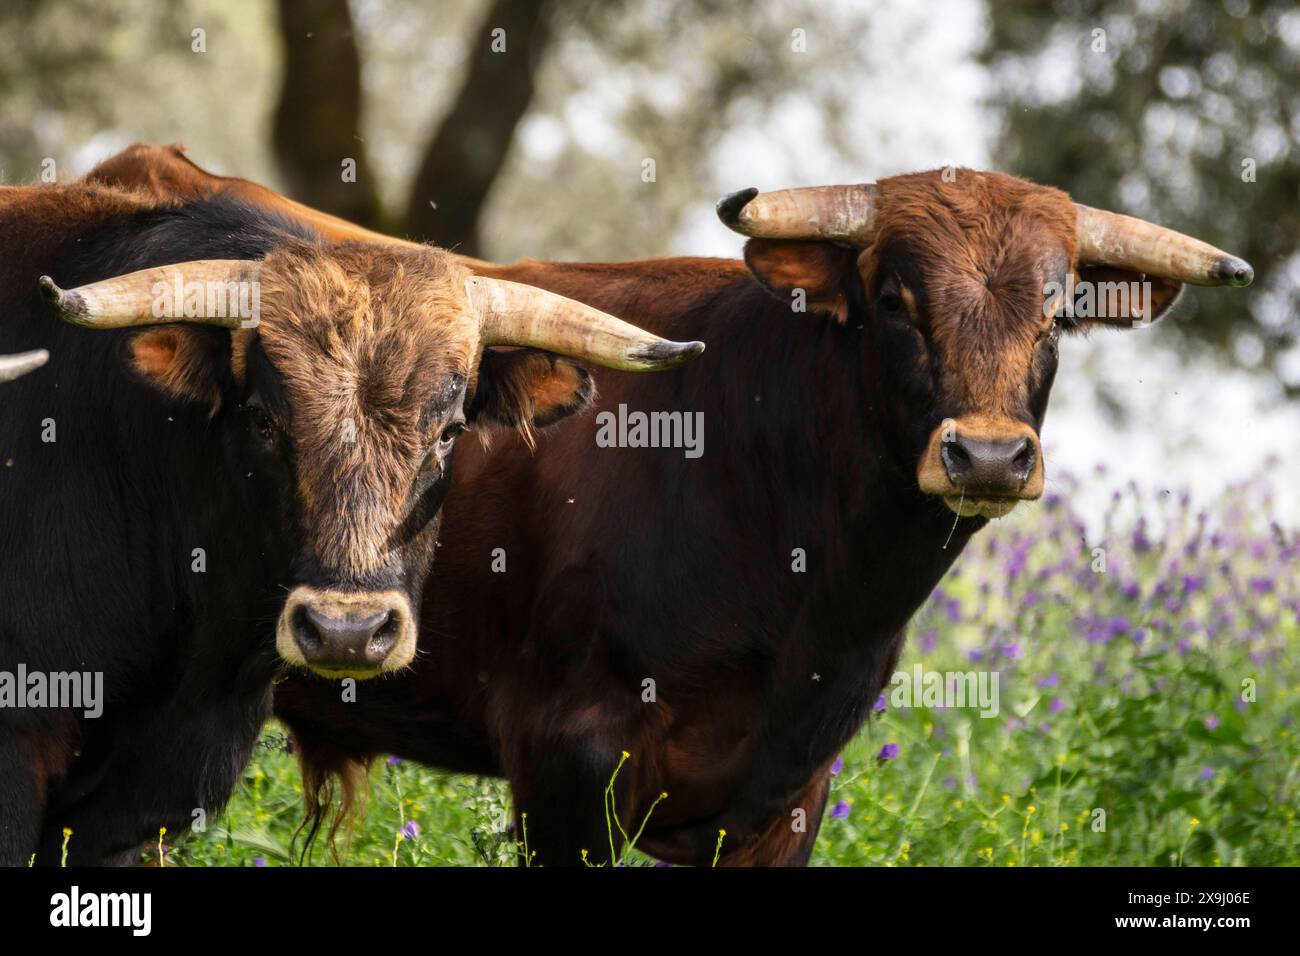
304 631
353 633
1024 460
385 636
956 459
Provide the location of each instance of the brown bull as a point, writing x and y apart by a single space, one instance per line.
886 357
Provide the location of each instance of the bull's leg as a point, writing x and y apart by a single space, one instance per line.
560 805
22 798
564 724
163 767
788 838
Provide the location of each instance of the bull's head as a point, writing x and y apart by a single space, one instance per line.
966 282
347 391
13 366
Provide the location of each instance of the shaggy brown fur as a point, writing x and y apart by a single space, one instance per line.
372 351
984 246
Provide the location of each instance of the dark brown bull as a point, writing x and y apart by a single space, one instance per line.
650 602
369 364
252 430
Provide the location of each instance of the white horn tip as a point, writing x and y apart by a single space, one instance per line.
14 366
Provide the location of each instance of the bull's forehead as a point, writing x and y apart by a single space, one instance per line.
985 329
979 249
372 359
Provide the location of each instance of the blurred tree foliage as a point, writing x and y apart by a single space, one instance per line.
539 150
80 79
542 150
1164 110
668 81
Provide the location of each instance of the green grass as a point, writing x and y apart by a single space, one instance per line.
1120 692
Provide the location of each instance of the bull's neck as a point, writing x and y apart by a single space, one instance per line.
800 453
827 466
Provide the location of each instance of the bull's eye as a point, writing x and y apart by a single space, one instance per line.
261 422
435 456
264 425
448 436
891 304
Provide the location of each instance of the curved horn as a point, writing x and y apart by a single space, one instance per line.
137 297
511 313
1111 239
12 366
834 213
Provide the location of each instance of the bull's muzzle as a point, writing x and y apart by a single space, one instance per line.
346 634
982 466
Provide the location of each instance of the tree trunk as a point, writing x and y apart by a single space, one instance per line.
469 148
317 125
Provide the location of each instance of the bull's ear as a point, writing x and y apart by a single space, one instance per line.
186 363
807 276
527 389
1120 298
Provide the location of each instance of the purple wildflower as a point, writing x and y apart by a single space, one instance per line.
840 811
837 766
887 752
411 831
1141 543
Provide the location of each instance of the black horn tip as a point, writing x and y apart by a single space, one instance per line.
69 303
729 206
665 354
1234 271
